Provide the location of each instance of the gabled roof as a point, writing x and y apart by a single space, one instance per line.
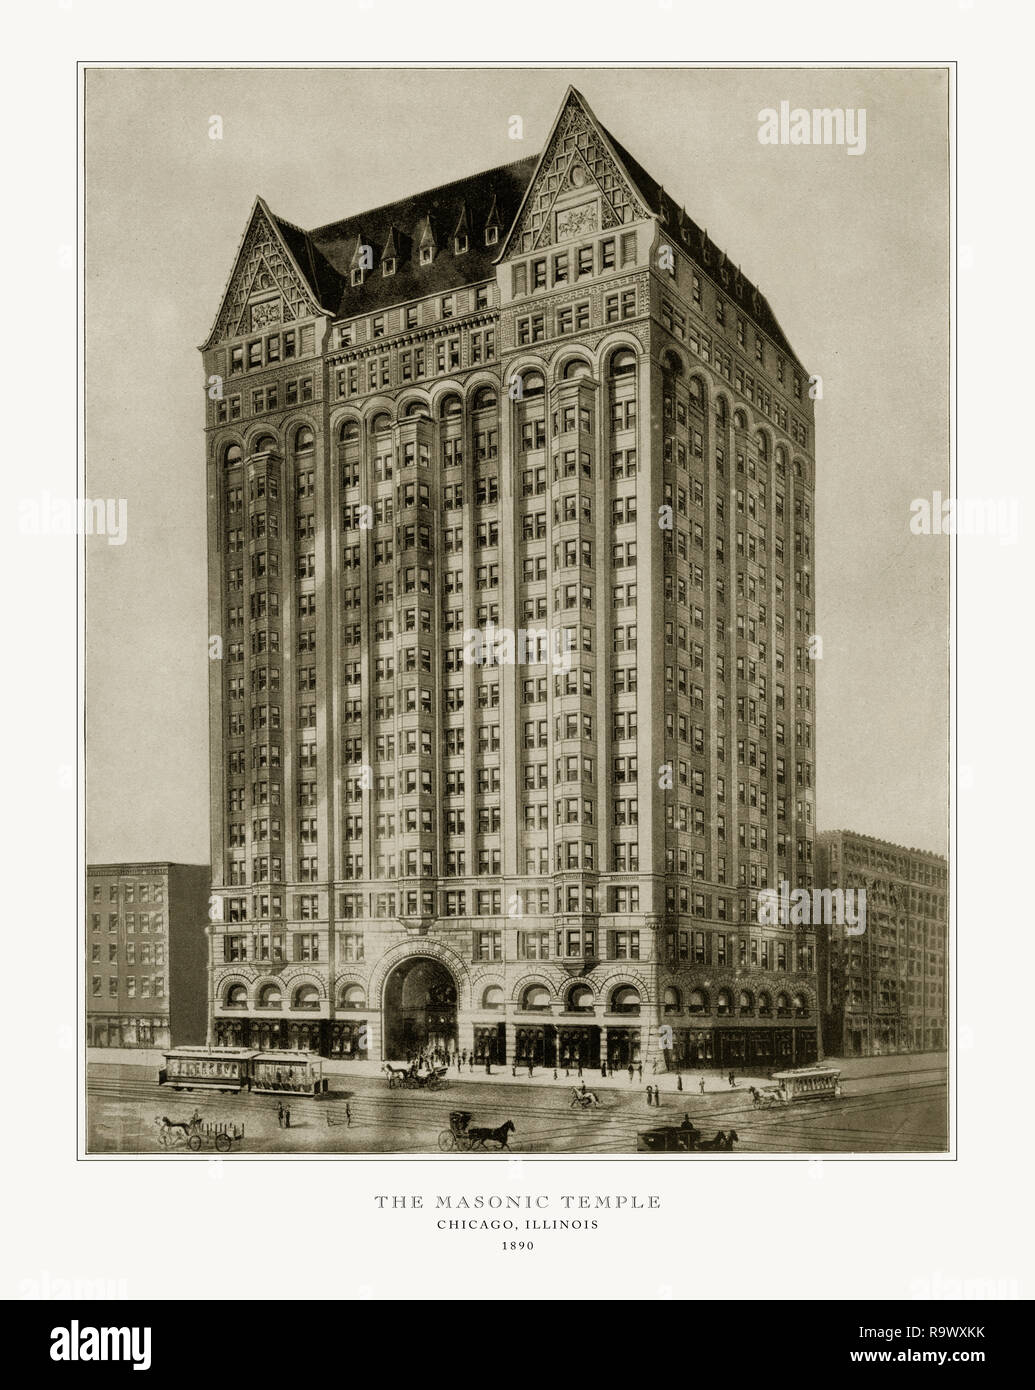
694 242
442 208
324 257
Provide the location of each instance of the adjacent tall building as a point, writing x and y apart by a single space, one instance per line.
884 989
510 519
147 954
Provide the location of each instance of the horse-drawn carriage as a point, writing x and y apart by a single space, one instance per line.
460 1136
415 1078
683 1139
196 1134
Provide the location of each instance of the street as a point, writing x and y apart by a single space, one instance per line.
888 1105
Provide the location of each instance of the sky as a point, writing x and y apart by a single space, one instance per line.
851 251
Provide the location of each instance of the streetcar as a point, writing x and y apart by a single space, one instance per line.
229 1069
808 1083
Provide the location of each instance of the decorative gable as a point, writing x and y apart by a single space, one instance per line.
266 285
579 186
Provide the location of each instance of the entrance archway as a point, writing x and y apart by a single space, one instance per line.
419 1009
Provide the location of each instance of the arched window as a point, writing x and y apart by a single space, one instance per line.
783 1005
536 998
532 384
352 997
349 432
237 997
450 405
747 1002
765 1005
623 362
381 422
417 408
493 997
696 393
580 1000
672 363
698 1001
303 439
673 1002
721 412
232 457
625 1000
763 445
485 399
574 368
724 1002
265 444
801 1006
306 997
739 420
781 460
270 997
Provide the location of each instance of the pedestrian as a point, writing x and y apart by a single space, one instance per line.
639 1071
650 1094
530 1066
631 1073
488 1066
732 1080
580 1071
348 1116
280 1116
603 1068
702 1085
513 1069
287 1119
679 1080
555 1073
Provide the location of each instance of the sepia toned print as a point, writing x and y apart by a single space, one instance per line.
513 506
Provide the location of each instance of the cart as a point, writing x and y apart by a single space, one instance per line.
456 1136
218 1136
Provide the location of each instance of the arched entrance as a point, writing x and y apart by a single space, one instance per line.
419 1009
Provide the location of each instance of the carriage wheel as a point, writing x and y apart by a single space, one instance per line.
223 1143
446 1140
194 1143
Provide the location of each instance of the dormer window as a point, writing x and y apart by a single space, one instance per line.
460 245
448 305
357 276
388 266
426 255
492 236
345 335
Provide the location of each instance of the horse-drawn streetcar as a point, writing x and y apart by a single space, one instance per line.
242 1069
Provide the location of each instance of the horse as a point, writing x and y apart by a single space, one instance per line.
174 1131
584 1099
479 1137
395 1075
724 1140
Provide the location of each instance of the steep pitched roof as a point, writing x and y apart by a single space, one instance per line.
694 242
443 207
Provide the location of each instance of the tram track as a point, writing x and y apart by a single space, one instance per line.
596 1131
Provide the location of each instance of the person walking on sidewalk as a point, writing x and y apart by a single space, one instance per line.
280 1116
639 1071
650 1095
732 1080
702 1085
631 1073
679 1080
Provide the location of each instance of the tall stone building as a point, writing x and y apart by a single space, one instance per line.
510 515
147 954
885 989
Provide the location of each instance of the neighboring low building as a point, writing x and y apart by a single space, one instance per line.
146 954
886 989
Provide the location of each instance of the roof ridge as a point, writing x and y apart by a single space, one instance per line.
414 197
